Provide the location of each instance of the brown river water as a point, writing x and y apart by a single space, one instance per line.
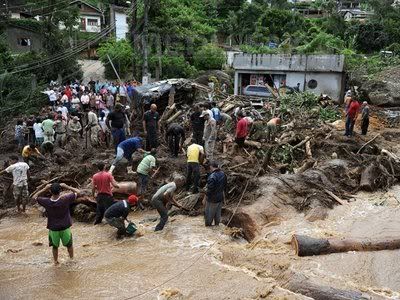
189 261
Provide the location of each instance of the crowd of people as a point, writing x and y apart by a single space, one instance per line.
98 113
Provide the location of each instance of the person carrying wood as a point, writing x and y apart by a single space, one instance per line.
117 214
195 156
164 198
20 172
215 195
58 215
209 135
364 118
151 126
272 128
102 184
175 137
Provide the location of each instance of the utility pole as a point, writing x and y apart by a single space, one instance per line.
134 36
145 41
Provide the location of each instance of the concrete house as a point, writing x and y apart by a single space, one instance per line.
21 39
319 74
91 17
119 21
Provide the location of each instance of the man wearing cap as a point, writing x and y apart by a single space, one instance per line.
164 198
364 118
102 184
151 126
126 149
209 135
215 195
58 216
117 214
74 127
60 126
115 122
93 127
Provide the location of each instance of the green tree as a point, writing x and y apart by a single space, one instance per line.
120 52
209 57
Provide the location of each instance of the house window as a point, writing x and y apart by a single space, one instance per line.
24 42
312 84
93 22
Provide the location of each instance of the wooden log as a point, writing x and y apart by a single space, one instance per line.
391 155
308 246
366 144
302 285
175 116
253 144
334 197
308 149
228 107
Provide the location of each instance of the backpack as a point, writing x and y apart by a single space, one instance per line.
216 114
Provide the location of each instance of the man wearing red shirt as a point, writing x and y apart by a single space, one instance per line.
102 183
351 117
241 130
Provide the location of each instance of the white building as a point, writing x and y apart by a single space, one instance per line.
91 17
119 19
319 74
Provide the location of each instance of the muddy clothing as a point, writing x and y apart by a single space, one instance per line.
21 194
174 135
271 132
193 167
197 127
94 129
209 137
58 211
61 132
158 203
74 128
151 120
212 213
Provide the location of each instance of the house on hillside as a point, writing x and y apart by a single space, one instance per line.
353 10
119 21
91 17
319 74
22 39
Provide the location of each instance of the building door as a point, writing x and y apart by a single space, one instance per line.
83 24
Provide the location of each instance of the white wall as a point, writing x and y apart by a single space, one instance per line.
121 26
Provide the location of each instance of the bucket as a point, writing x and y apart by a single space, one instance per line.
131 228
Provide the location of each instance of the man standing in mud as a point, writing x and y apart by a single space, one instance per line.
164 198
58 216
351 117
216 184
19 171
151 126
102 184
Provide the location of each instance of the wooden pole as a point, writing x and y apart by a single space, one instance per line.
119 79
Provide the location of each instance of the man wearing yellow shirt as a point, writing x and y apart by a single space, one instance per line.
31 153
195 155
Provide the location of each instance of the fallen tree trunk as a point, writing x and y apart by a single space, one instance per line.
368 178
308 246
302 285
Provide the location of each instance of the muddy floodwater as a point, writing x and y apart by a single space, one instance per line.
189 261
